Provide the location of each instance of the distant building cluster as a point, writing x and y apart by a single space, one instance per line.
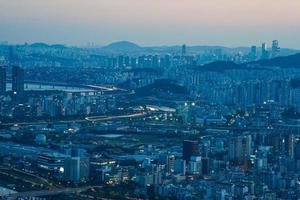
153 123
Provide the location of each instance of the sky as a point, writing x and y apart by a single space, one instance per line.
229 23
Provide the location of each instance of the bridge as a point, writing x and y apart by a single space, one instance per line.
105 88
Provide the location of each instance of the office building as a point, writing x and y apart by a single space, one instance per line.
180 166
170 163
17 80
51 162
297 150
84 162
72 169
205 166
240 149
253 53
190 148
275 48
264 51
194 166
2 80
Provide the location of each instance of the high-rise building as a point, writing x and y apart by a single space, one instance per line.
205 165
194 166
2 80
11 56
264 51
155 61
141 61
240 149
253 50
133 62
287 144
190 148
168 160
275 48
72 169
180 166
170 163
84 162
165 61
297 149
253 53
126 61
183 50
17 80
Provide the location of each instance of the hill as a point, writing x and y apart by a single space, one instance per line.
218 66
292 61
164 87
122 46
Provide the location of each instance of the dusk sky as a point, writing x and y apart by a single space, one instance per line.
151 22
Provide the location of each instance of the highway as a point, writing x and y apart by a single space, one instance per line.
51 192
87 119
105 88
108 118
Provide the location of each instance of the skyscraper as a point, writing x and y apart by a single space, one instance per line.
2 80
275 48
253 53
240 149
17 80
72 169
264 51
84 162
190 148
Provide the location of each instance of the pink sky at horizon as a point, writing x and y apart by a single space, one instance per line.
155 22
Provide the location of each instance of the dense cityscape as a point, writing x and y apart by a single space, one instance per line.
149 100
130 122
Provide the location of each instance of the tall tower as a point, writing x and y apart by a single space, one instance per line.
264 51
275 48
2 80
17 81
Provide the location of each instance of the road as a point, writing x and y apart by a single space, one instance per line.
105 88
6 170
87 119
95 119
47 192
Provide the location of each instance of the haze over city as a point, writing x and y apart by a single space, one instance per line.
149 99
158 22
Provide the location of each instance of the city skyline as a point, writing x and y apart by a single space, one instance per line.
149 100
236 23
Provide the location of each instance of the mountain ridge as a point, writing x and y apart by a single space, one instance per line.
292 61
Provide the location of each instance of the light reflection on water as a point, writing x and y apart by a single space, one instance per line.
111 136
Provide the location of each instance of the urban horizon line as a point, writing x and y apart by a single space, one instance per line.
139 44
